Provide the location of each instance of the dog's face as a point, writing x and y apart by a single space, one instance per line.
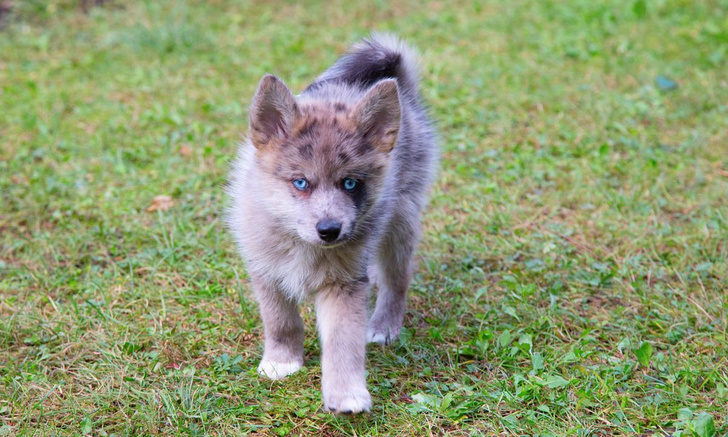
323 163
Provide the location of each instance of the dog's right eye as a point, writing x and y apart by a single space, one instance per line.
300 184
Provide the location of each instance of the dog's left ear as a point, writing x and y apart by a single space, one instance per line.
378 115
272 112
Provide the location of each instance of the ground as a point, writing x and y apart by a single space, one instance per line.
573 273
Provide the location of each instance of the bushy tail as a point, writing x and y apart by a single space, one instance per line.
378 57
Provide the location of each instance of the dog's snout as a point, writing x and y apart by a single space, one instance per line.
328 229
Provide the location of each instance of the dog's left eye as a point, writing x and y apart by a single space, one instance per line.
349 184
300 184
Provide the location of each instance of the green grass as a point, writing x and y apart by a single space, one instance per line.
573 275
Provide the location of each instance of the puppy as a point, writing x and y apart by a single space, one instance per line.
326 196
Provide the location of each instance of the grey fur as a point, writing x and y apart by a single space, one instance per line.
361 119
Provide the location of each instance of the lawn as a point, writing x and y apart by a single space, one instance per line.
573 275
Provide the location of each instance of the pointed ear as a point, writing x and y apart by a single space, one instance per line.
378 115
272 111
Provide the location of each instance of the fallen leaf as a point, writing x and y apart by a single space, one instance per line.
405 399
18 179
161 203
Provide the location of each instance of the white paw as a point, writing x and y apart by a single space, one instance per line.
382 336
377 337
349 402
274 370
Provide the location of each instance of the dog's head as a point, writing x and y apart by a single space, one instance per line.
322 162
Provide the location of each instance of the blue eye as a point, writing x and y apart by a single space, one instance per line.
300 184
349 184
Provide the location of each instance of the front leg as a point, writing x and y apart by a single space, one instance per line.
342 320
283 327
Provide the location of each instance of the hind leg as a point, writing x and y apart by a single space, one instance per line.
393 276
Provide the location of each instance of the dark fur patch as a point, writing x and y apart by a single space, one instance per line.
365 68
368 73
378 169
339 107
307 128
363 147
344 158
306 151
359 195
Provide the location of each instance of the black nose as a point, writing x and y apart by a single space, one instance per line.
328 230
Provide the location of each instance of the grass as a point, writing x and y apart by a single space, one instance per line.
573 275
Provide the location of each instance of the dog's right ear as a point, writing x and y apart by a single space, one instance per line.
272 112
378 114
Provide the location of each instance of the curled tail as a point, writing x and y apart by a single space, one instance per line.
381 56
